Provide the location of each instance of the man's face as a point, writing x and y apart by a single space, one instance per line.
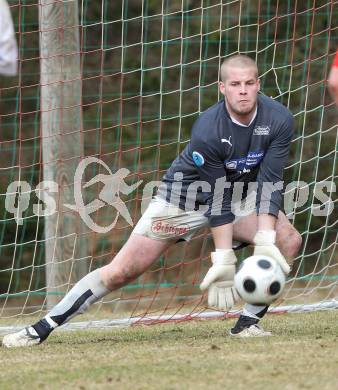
240 88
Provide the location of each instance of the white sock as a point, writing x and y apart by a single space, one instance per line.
87 291
252 311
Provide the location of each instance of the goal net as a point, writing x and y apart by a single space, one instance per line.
109 89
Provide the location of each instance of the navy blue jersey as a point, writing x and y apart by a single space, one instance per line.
221 153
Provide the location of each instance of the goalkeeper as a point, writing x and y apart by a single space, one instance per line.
244 139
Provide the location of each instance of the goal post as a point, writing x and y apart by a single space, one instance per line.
61 143
109 90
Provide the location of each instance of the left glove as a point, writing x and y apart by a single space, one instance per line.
219 280
264 241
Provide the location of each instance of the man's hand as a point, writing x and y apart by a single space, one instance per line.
264 241
220 280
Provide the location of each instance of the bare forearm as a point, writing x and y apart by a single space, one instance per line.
222 236
266 222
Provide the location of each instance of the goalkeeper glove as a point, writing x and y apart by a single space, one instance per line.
264 241
219 280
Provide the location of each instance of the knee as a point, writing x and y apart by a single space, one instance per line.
290 241
116 276
294 244
113 278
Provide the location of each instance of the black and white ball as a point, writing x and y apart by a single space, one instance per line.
259 280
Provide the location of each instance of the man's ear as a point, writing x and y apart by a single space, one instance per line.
221 87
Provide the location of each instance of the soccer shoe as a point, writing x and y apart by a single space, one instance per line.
24 338
251 331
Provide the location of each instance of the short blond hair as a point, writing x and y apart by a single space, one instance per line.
240 61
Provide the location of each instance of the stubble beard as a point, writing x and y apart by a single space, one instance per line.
244 111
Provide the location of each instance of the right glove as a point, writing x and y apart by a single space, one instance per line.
264 241
219 280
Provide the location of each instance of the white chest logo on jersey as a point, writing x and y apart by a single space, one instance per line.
227 141
261 130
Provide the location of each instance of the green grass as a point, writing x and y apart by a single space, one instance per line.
302 354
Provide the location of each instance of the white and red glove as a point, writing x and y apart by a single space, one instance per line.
264 241
219 280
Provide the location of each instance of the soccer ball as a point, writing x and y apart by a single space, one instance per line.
259 280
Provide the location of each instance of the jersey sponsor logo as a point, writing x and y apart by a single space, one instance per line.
254 158
234 164
198 159
261 130
231 164
245 164
166 228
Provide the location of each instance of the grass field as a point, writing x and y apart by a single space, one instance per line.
302 354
